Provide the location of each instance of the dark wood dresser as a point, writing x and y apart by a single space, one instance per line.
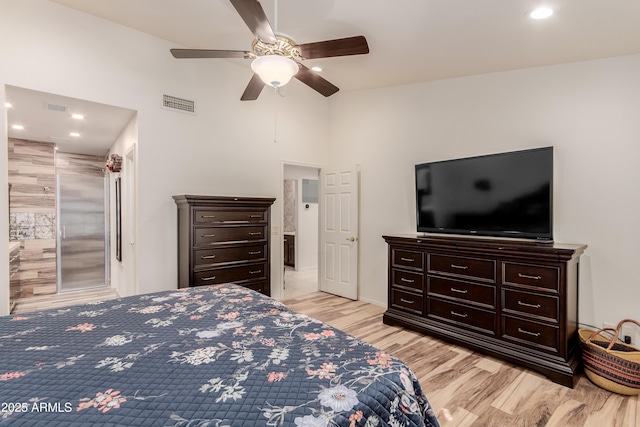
224 240
514 300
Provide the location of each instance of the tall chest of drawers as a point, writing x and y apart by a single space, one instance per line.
224 240
514 300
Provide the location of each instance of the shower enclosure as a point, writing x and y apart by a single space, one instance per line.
82 248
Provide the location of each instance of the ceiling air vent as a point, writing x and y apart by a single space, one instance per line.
55 107
178 104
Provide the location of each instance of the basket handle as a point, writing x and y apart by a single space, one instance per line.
598 331
618 329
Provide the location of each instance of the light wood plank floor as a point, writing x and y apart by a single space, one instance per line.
45 302
469 389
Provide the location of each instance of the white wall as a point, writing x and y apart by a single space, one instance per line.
226 149
307 219
588 111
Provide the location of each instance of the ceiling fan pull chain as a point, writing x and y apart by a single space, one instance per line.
275 114
275 16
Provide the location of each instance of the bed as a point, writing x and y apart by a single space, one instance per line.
218 355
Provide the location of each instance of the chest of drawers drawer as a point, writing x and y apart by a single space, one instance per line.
230 274
204 257
407 258
471 292
407 280
537 276
212 235
208 216
473 268
406 301
533 334
544 307
474 318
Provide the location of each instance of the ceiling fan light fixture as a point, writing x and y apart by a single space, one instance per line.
274 70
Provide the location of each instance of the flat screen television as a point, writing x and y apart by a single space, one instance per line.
501 195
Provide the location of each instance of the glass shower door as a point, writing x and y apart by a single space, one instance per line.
82 232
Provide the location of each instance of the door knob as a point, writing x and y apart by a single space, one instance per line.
352 239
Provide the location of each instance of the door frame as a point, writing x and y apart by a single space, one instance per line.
279 290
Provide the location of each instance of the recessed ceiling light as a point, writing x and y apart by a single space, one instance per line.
316 69
17 127
541 13
76 134
8 105
77 116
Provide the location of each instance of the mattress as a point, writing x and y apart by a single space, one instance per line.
218 355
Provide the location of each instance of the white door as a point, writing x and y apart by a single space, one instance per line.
338 269
129 238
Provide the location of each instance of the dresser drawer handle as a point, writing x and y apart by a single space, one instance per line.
407 280
529 305
209 278
461 267
208 216
255 216
460 291
208 257
406 301
255 252
255 272
255 233
407 259
522 331
526 276
208 235
459 314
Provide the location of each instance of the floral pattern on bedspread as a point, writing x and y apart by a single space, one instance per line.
219 355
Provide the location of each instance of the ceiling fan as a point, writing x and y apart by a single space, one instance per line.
274 53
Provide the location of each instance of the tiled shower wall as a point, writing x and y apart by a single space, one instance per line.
32 212
289 204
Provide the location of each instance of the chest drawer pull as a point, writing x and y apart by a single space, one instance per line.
407 259
255 216
407 280
459 314
255 252
529 305
208 257
460 291
406 301
208 216
526 276
209 278
256 233
535 334
208 235
255 272
461 267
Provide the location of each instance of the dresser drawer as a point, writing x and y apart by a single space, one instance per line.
409 280
406 301
207 216
213 235
543 337
233 254
261 287
407 258
531 275
475 268
479 320
230 274
471 292
529 304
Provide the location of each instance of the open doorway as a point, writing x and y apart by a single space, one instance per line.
300 230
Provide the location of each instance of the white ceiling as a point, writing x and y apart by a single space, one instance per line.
410 41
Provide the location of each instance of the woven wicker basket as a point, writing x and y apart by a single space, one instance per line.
609 364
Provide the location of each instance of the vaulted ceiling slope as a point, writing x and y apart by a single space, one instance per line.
410 40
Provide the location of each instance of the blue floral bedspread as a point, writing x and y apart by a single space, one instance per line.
207 356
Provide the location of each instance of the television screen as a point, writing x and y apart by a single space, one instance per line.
502 195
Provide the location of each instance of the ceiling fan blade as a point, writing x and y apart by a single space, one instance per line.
315 82
209 53
253 15
339 47
253 89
